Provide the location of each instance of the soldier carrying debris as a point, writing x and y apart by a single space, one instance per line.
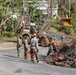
19 44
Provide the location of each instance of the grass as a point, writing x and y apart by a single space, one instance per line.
7 39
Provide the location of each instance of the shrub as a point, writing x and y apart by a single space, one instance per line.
68 30
74 20
53 18
57 26
9 34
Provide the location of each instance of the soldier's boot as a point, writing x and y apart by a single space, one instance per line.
18 55
25 57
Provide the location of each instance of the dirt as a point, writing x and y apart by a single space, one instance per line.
6 42
7 45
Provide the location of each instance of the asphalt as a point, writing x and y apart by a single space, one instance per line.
10 64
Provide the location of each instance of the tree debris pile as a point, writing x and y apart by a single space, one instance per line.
66 57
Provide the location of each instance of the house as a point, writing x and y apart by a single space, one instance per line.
43 5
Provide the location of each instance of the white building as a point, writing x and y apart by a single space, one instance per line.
43 5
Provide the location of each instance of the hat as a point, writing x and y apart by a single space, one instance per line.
54 44
34 34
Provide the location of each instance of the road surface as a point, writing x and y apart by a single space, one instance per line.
11 65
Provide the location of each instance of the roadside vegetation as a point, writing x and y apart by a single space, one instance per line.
8 7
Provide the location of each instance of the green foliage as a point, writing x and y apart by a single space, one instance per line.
9 34
53 18
35 14
68 30
57 26
0 16
3 16
2 1
74 20
11 24
32 12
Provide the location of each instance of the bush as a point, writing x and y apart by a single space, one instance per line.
9 34
68 30
53 18
57 26
74 20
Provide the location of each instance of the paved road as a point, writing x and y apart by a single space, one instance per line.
58 36
11 65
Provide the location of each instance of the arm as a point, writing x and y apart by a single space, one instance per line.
36 45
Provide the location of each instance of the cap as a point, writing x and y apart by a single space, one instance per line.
34 34
54 44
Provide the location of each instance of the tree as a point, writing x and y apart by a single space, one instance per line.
35 13
9 5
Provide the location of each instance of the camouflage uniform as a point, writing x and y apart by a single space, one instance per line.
19 45
25 43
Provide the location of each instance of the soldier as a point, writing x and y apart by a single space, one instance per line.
34 48
25 43
62 38
19 44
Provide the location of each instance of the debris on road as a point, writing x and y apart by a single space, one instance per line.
66 57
